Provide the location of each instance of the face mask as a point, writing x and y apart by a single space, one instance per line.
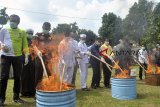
107 43
83 41
13 25
45 31
143 48
98 43
29 36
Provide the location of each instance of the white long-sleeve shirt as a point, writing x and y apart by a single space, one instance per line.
83 49
67 51
143 56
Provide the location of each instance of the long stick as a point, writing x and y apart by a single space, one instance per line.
139 63
64 67
44 68
117 65
102 61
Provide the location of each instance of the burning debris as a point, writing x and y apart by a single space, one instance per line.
51 80
123 62
53 84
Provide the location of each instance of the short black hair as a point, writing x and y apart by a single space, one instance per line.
14 18
98 39
46 25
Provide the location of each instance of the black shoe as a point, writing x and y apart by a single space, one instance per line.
18 100
94 87
85 89
108 86
99 87
1 103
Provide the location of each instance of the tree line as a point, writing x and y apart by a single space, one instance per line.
141 25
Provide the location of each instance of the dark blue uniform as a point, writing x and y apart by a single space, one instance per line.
95 66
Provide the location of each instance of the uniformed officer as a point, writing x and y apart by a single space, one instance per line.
28 72
42 40
83 62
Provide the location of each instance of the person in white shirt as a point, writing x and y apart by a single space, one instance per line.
143 59
83 62
67 52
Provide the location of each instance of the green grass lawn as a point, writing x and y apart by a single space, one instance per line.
147 96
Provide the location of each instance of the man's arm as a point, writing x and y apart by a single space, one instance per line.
25 43
2 35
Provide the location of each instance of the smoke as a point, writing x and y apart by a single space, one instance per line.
125 60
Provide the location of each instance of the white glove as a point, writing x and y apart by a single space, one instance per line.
26 60
102 59
63 62
5 48
39 53
87 53
110 58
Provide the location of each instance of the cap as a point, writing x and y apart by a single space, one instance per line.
29 31
82 35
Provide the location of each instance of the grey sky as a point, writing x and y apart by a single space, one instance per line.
91 9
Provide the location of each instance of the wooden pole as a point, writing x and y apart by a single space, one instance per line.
44 68
102 61
64 67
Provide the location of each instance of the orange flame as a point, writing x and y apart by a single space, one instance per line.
123 74
50 51
150 66
116 66
157 70
52 84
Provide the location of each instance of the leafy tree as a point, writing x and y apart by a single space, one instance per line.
61 28
3 17
72 27
138 20
90 36
111 27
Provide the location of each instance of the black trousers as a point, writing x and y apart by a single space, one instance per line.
6 62
141 70
75 73
107 72
28 78
96 73
39 69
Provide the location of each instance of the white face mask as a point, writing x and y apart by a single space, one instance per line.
83 41
13 25
107 43
98 43
143 48
45 31
29 36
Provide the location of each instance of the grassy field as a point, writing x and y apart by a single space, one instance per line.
147 96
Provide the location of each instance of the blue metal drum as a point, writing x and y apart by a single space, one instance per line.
56 99
123 88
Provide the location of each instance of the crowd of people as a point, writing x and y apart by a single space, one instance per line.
15 44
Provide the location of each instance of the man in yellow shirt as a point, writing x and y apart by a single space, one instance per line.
14 44
107 53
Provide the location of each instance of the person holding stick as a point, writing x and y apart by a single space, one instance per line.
41 41
107 55
67 50
143 59
83 62
94 49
